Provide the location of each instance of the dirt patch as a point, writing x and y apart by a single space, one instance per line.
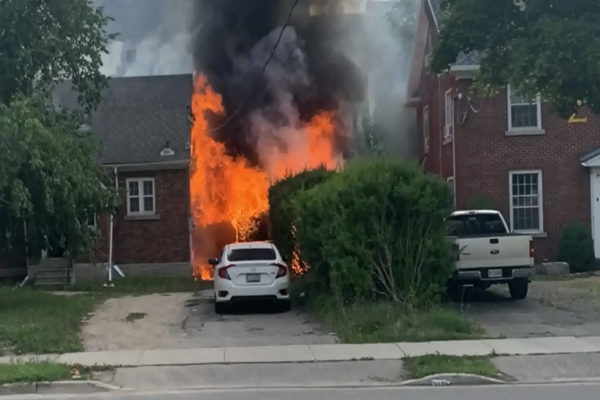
156 323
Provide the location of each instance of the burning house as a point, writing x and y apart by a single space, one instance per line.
238 126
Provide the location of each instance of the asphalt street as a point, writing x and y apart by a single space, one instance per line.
581 391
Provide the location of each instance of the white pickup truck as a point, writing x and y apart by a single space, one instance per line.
487 253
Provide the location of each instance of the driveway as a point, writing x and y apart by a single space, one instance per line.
552 308
252 325
187 320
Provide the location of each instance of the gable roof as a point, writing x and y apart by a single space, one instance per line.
138 116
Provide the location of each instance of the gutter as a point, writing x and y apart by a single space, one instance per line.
111 233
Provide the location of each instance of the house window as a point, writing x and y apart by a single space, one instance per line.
141 197
449 112
526 205
92 220
523 113
426 129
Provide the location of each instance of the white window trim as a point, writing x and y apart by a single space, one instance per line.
520 131
540 199
140 182
426 131
448 132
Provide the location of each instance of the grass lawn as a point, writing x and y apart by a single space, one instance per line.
34 372
389 322
42 372
420 367
145 285
36 322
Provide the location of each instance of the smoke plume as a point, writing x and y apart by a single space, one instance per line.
337 55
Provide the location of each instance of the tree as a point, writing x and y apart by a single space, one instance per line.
49 180
545 47
45 40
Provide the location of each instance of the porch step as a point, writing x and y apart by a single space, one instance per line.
53 272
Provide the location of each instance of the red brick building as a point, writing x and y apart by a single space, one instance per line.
539 170
144 131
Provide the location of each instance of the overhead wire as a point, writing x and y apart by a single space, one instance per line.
264 68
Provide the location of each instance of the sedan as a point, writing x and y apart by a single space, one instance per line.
250 271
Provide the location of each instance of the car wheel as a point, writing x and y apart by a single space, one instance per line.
518 288
285 306
220 308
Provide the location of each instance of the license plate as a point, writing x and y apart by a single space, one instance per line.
495 273
253 278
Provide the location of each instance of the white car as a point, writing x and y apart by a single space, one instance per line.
250 271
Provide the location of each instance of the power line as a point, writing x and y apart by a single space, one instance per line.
245 99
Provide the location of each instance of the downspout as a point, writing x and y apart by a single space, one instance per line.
440 125
454 159
111 234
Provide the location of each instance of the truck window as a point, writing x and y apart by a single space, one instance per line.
475 224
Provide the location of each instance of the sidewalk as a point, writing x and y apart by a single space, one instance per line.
324 352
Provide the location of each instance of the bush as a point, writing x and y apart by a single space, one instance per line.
281 216
375 229
576 247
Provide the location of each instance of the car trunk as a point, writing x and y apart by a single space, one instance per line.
253 273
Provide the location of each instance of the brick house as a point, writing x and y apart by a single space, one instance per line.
143 127
539 170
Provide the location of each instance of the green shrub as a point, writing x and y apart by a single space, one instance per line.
480 203
281 217
375 229
576 247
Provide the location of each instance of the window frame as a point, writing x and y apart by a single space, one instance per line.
426 129
448 116
538 103
93 226
540 196
140 196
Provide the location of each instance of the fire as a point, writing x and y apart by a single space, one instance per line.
227 194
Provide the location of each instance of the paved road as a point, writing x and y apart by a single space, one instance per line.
251 325
532 392
500 316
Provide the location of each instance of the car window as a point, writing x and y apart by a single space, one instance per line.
259 254
475 224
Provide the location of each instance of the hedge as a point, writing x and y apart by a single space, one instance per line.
576 247
375 229
281 214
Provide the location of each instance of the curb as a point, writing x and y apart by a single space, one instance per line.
453 379
64 387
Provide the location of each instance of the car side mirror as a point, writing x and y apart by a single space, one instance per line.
213 261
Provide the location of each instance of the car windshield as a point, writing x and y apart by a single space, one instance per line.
475 224
256 254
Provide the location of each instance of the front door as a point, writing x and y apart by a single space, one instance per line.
595 199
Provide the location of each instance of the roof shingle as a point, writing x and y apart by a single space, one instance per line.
138 116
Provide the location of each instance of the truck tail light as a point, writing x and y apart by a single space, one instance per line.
531 249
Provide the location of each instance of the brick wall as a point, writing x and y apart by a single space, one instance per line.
432 89
163 238
485 155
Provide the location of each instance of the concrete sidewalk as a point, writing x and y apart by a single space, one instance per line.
324 352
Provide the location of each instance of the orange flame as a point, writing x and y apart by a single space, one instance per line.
227 194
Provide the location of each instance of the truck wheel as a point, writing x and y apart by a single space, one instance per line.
518 288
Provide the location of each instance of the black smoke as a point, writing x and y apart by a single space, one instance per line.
231 43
